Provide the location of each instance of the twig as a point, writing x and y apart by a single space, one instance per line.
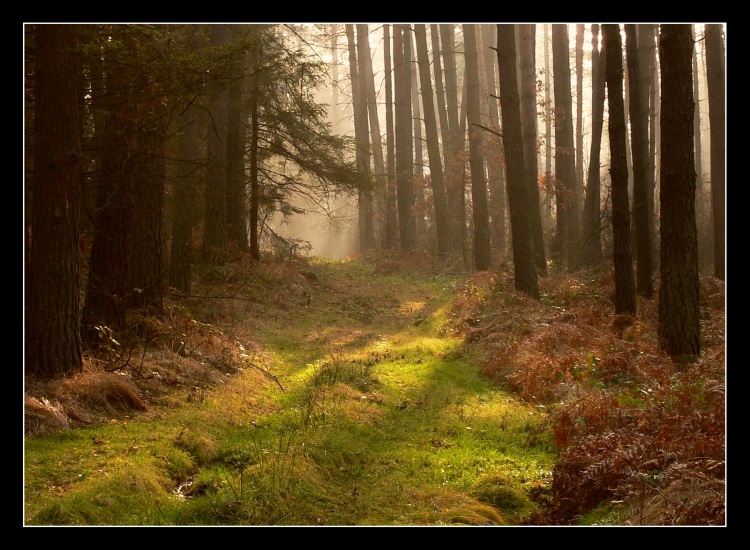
268 374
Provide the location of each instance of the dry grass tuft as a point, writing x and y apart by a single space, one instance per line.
42 416
476 513
175 358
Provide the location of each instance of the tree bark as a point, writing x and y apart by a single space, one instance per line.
391 209
361 131
147 262
453 148
638 80
404 142
442 221
591 241
482 251
716 115
52 337
527 40
565 168
106 287
215 227
518 192
495 162
236 129
379 196
188 172
623 261
679 307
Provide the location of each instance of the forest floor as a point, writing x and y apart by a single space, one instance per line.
382 390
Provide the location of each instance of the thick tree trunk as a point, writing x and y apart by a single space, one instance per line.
624 281
565 168
495 162
215 226
147 263
482 251
236 129
361 129
527 48
52 337
404 142
639 137
442 221
188 172
379 196
453 148
106 287
518 192
679 307
591 237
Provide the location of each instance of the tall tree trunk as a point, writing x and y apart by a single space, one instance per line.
391 209
254 100
580 28
565 169
334 113
361 133
647 61
482 251
420 203
697 121
437 65
591 241
495 163
679 307
188 172
404 143
361 129
236 180
379 197
147 263
52 337
453 148
716 115
215 227
442 222
527 48
654 131
146 268
549 184
624 281
639 136
702 201
106 287
518 191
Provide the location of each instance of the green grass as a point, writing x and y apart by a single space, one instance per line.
385 421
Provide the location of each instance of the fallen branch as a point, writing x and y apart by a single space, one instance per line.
268 374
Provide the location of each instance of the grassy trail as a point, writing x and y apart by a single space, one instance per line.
401 427
383 420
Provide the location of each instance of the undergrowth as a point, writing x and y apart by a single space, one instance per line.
352 433
641 441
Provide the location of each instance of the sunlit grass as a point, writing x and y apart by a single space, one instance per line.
378 423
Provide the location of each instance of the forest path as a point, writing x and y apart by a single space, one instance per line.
401 427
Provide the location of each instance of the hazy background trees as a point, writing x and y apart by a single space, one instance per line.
201 141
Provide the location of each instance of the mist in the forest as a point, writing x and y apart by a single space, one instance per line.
327 231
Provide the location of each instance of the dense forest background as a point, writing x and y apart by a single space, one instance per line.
167 142
153 150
